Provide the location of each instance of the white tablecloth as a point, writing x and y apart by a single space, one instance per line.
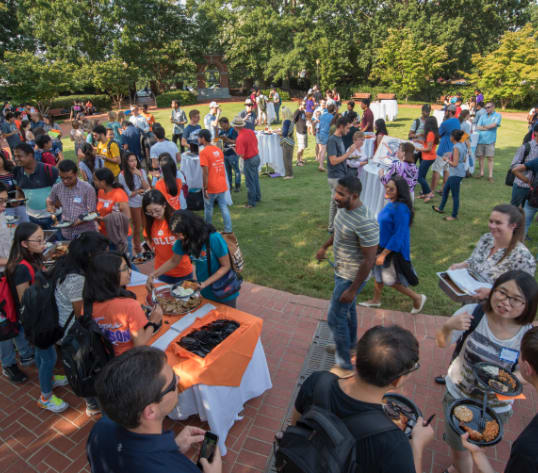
391 109
271 114
439 115
369 144
220 406
379 110
270 152
373 191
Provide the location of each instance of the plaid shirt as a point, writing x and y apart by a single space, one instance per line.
76 200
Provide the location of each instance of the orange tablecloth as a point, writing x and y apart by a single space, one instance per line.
226 363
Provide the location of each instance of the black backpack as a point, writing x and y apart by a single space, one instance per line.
477 314
39 312
85 351
321 442
510 176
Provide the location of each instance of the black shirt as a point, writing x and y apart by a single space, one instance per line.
348 137
113 449
524 456
299 118
388 452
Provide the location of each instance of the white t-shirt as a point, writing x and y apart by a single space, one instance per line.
69 291
140 122
276 97
481 345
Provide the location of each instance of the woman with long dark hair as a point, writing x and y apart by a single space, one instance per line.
380 128
88 162
431 140
169 185
25 260
393 264
504 318
157 214
193 234
134 181
114 308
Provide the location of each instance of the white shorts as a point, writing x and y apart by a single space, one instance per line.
439 165
302 141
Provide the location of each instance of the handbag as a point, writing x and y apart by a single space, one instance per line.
238 263
195 200
228 284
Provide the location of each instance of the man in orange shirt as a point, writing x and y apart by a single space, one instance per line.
214 180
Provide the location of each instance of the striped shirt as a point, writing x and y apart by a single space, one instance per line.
353 229
480 345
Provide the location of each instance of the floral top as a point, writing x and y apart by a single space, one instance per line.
487 266
407 170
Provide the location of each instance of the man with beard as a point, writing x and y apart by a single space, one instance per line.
354 241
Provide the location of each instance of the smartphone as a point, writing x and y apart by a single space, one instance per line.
208 447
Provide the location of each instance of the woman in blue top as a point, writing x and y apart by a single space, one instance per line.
393 263
456 169
192 233
323 134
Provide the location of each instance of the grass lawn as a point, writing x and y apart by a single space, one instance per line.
280 237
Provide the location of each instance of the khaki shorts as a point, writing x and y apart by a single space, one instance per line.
440 165
452 438
302 141
485 150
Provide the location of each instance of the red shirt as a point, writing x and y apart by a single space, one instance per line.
212 158
246 144
367 120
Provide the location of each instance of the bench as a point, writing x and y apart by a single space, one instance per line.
361 95
58 112
386 96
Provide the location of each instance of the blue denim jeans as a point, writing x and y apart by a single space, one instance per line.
250 168
7 349
208 210
452 185
277 111
342 320
530 212
422 172
519 195
45 361
232 164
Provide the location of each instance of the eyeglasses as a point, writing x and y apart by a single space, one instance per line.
409 371
125 268
3 201
153 213
171 387
513 301
39 242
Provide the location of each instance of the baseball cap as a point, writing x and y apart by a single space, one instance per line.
213 104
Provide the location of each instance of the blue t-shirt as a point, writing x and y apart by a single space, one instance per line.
208 119
189 129
394 232
219 248
324 127
446 128
229 150
131 138
116 128
459 170
487 137
250 120
112 449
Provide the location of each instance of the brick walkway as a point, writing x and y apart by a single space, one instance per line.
32 440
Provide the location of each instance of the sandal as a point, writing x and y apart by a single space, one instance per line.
450 218
437 209
428 198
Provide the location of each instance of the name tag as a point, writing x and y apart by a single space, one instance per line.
509 355
106 204
77 200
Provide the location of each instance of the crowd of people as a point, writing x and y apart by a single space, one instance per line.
132 195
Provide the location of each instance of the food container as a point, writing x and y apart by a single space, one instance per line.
452 291
476 408
486 372
395 405
172 304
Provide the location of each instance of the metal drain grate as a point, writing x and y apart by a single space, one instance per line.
317 359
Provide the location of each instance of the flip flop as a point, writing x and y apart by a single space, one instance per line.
437 209
450 218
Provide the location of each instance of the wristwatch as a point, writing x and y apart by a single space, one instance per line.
153 325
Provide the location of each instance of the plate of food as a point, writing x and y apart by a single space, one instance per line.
55 251
11 219
177 299
61 225
464 416
89 217
495 378
16 201
402 411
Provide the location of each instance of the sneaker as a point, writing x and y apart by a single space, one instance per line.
59 380
28 360
92 411
53 404
14 374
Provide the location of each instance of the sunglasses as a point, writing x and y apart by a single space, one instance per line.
415 367
171 387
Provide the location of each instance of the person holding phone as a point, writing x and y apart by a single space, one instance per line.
131 437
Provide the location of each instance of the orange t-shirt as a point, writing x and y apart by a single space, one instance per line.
162 241
430 155
106 203
173 200
120 319
212 158
150 119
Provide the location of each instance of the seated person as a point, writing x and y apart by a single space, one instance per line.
385 357
136 391
523 458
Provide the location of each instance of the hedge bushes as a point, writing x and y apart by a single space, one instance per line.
184 96
101 102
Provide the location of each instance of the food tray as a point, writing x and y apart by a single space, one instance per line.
408 408
483 379
89 217
476 409
453 291
48 254
62 225
191 303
